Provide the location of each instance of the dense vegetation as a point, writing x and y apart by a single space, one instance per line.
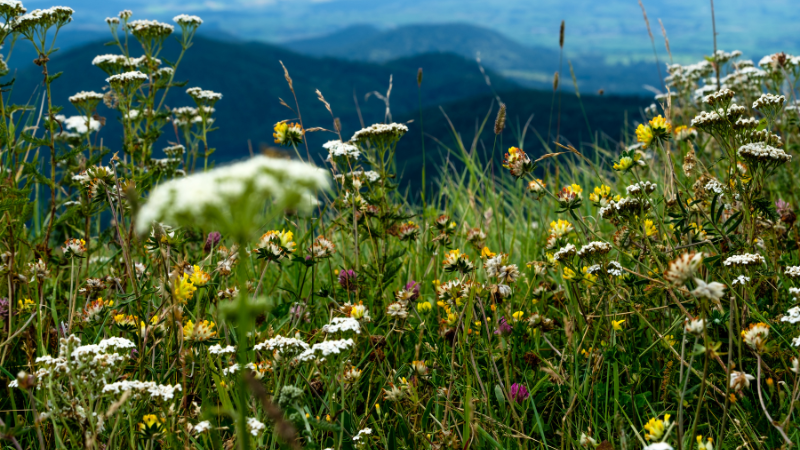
638 291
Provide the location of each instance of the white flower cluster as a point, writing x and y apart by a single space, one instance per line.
55 16
380 132
792 315
342 324
187 20
217 349
201 427
706 119
745 122
625 206
282 344
362 433
719 96
148 28
792 271
11 8
230 370
202 94
78 123
760 151
85 96
339 148
371 176
741 279
745 259
231 196
567 251
254 426
769 100
126 78
614 268
327 348
641 187
156 391
594 248
715 187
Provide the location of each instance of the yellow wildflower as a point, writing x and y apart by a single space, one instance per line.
486 253
25 305
655 428
184 289
650 228
517 316
424 307
288 134
199 276
617 324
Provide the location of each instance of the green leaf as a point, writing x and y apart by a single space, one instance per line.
52 78
501 399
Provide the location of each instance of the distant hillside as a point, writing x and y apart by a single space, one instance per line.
607 117
529 66
251 80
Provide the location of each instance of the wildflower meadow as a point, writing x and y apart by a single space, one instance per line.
639 293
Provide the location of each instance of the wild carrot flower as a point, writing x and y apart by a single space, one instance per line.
379 134
288 134
792 315
255 427
518 393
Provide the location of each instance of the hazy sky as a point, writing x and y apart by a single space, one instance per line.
614 27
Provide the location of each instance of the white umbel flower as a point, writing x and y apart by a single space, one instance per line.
254 426
792 315
342 324
746 259
230 198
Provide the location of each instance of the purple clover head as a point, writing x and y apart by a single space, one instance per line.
348 280
519 393
503 328
212 240
782 207
414 287
3 308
